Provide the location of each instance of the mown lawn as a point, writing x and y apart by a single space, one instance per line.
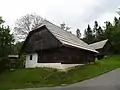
39 77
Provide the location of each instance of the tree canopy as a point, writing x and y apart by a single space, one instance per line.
6 42
88 35
25 24
110 31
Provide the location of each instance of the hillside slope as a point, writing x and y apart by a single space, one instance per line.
39 77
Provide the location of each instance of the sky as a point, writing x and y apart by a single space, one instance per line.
77 14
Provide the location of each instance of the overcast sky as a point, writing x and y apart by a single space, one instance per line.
75 13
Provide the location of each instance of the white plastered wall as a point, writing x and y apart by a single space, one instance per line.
31 63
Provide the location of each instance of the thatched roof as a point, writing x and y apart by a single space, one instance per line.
99 45
67 38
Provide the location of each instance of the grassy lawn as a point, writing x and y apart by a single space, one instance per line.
39 77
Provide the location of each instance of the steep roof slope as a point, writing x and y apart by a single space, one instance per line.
67 38
99 45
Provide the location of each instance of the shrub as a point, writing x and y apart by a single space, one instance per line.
4 64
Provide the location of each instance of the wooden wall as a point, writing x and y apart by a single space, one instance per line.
106 50
41 40
63 55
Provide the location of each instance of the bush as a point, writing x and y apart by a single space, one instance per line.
3 64
21 62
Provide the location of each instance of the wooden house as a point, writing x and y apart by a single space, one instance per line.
51 46
103 47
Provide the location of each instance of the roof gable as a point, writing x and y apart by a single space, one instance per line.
67 38
40 39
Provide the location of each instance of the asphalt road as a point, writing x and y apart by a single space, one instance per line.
108 81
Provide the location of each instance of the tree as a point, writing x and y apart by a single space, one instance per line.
95 27
109 29
26 24
118 11
6 41
112 32
88 35
1 21
115 34
78 33
98 32
64 27
16 48
116 22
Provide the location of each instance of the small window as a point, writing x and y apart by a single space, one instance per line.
30 57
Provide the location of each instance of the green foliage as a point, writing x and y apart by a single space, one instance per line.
1 21
3 63
95 27
98 32
21 61
88 35
110 31
17 47
39 77
17 50
6 41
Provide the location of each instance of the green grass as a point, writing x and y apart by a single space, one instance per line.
39 77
